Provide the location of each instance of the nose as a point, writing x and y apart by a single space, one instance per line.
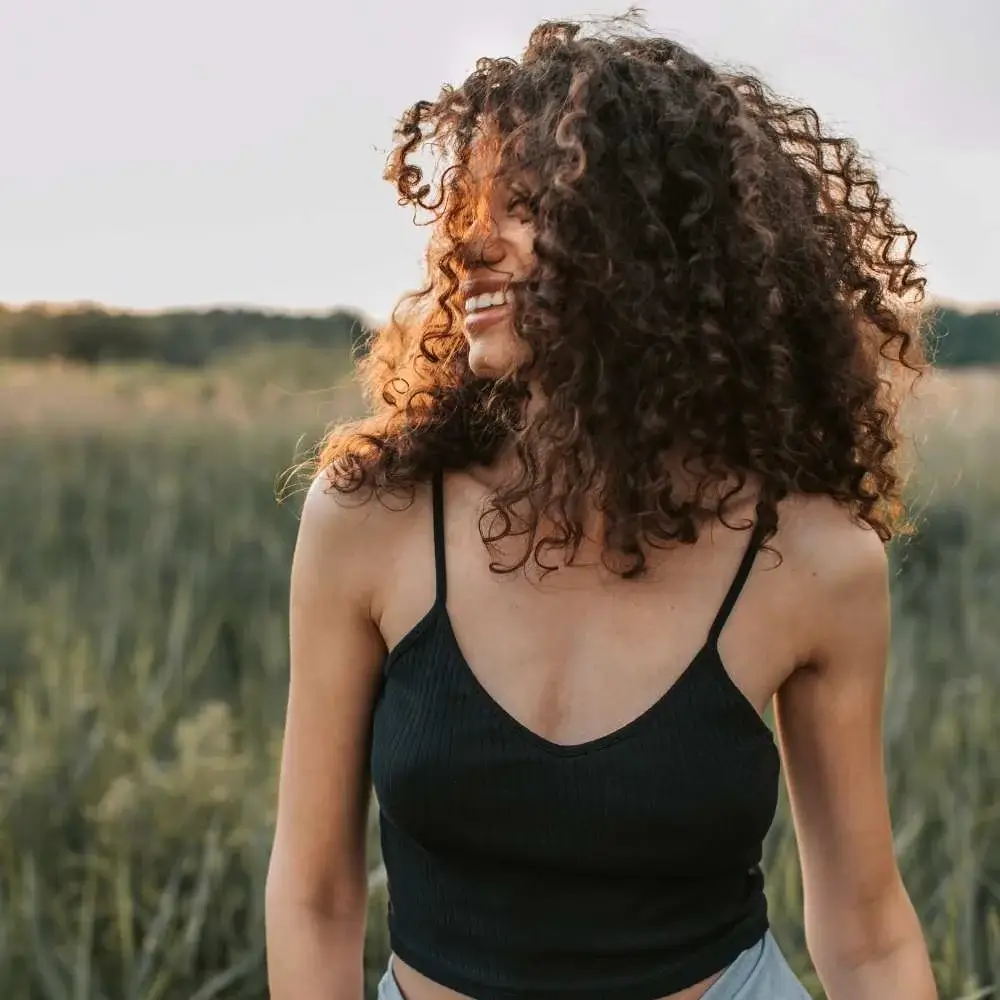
481 246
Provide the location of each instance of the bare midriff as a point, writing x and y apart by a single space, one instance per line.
415 986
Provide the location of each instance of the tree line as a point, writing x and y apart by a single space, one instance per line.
91 334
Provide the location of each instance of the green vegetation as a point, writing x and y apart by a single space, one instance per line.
143 667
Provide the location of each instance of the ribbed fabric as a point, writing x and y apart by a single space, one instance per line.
623 868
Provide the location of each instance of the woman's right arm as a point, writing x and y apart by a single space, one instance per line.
316 897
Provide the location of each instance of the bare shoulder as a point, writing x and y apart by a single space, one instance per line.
823 540
840 565
348 539
351 519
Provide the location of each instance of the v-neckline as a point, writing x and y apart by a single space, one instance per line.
706 658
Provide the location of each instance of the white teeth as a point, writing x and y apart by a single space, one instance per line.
484 301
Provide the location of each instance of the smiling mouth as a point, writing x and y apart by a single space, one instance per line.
488 300
479 319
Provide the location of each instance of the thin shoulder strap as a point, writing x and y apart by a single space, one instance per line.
440 571
739 581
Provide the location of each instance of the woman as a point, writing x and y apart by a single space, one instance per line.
629 478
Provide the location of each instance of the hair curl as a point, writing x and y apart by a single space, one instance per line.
718 278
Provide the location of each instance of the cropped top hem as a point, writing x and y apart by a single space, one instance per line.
680 975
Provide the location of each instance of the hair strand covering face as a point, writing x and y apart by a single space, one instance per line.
718 278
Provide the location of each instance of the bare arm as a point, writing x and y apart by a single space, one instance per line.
862 932
316 900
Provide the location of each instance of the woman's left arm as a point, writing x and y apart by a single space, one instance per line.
862 931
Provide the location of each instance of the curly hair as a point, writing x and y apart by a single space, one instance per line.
717 277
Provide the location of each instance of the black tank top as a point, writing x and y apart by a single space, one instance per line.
623 868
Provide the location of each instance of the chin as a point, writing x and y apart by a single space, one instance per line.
493 356
483 366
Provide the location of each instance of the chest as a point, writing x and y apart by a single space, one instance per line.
690 781
579 654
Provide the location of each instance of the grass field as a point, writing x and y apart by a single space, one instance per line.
143 664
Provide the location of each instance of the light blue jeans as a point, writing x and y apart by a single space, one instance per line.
759 973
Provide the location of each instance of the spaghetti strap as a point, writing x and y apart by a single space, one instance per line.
440 572
736 587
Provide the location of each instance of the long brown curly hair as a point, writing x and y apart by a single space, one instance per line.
717 278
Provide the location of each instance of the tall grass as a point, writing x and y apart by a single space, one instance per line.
143 667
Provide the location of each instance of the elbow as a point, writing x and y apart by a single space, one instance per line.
301 931
314 943
859 931
295 898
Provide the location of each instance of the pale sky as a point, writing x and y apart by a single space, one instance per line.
199 152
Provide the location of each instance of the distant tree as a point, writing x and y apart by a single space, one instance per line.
92 336
189 338
962 340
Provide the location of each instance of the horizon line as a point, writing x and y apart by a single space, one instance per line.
223 305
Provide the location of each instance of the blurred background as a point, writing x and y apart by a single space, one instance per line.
194 234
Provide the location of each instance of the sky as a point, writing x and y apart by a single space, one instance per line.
229 152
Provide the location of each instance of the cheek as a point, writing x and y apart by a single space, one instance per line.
518 247
524 249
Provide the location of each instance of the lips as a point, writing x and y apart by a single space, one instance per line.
476 322
479 319
482 286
